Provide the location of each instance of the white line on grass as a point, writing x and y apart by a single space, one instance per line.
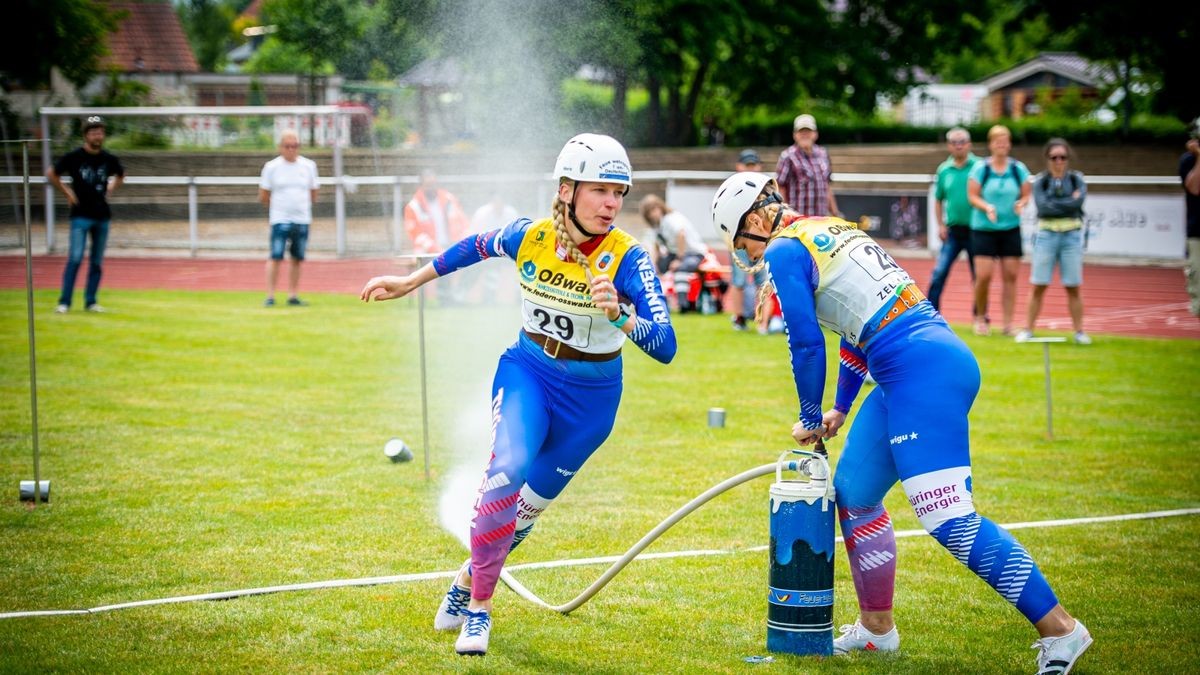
426 576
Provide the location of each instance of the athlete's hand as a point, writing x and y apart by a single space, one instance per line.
804 436
833 421
71 198
387 288
604 296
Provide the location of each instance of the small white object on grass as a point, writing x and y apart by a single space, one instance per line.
397 450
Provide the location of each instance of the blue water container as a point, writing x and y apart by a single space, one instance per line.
800 596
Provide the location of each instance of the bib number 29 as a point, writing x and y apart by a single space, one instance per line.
567 328
559 325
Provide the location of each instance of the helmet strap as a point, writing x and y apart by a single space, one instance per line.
770 199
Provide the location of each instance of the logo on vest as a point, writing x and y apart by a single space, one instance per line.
528 270
605 261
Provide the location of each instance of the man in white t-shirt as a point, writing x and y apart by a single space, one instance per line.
289 188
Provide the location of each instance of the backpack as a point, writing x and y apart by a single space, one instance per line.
1070 174
988 173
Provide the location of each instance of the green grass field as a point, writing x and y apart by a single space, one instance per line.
197 442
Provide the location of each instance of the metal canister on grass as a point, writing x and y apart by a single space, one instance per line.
716 417
800 596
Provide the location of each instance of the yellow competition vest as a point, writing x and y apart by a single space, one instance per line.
856 277
556 299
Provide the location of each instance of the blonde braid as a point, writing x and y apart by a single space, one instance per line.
559 211
768 212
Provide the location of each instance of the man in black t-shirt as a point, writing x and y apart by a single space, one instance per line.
1189 173
94 173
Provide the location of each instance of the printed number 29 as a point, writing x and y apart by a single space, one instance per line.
562 324
881 256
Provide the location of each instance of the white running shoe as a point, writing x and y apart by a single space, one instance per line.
856 638
473 640
1057 655
62 309
1023 335
452 613
1082 338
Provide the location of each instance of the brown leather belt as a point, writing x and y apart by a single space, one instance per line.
906 299
558 350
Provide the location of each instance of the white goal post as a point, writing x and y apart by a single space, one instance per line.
337 139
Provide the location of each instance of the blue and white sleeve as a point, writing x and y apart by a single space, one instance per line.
794 274
636 281
503 242
851 373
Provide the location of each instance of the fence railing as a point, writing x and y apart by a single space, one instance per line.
381 198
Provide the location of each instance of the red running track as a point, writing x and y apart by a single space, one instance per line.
1121 300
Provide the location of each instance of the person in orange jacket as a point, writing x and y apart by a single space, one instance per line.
433 217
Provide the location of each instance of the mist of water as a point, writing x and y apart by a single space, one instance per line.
513 117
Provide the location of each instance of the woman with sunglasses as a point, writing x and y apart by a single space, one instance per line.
1058 193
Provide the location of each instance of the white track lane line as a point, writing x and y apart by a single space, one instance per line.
426 576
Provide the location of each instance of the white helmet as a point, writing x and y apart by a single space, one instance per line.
594 158
734 199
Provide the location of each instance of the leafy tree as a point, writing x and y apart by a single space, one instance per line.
397 36
310 37
209 28
70 35
1154 41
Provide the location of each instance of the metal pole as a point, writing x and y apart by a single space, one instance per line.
1049 418
397 214
49 189
1045 342
424 396
339 193
193 216
37 471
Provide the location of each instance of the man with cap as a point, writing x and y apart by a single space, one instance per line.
94 173
804 172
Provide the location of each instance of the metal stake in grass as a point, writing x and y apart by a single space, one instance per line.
418 260
38 487
1045 341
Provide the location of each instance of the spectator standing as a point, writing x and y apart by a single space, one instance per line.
1058 193
805 173
952 210
1189 173
433 217
288 187
999 189
493 215
94 174
746 285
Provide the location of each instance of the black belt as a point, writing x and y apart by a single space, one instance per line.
559 350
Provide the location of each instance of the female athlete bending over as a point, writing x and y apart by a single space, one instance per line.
828 273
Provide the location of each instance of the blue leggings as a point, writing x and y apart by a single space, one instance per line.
913 429
548 417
